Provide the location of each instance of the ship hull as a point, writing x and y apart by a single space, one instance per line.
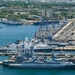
50 66
13 23
46 22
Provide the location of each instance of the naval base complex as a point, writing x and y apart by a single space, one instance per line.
50 48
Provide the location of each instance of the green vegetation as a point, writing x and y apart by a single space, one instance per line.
60 10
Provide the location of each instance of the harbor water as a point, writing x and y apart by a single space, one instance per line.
8 35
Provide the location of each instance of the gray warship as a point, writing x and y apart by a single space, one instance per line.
53 65
32 60
29 58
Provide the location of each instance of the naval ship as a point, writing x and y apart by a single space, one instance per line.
14 23
42 63
29 59
53 65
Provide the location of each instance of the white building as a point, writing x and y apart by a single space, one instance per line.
49 13
43 13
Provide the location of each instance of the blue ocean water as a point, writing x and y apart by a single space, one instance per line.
8 35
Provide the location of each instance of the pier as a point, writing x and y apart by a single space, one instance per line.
4 51
66 48
7 54
65 32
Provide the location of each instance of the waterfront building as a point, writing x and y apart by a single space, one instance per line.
43 13
49 13
20 12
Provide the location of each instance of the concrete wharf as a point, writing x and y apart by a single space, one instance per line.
67 32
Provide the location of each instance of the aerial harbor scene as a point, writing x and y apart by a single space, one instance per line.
37 37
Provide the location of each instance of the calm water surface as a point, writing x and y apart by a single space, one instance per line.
8 35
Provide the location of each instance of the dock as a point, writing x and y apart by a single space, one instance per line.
7 54
65 33
67 48
61 30
4 49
